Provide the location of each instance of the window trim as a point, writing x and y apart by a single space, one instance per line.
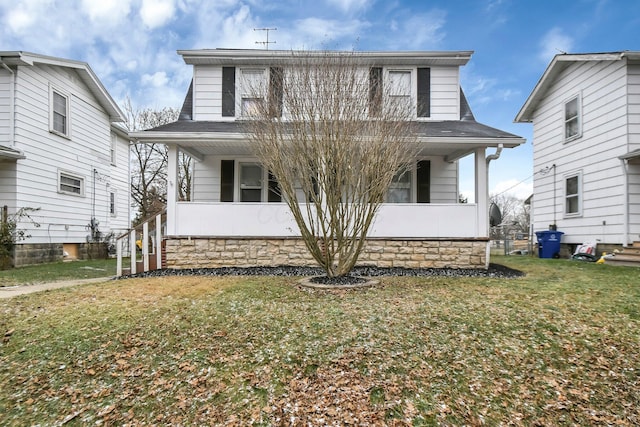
54 90
71 175
578 194
249 95
578 118
114 149
412 87
113 193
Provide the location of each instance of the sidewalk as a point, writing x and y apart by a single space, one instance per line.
12 291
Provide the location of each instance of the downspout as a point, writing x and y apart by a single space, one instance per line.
12 109
488 159
495 156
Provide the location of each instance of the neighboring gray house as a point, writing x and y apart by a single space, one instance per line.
585 112
61 151
234 219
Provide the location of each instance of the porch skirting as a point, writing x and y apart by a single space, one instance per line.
210 252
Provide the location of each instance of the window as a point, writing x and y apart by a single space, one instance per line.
112 203
252 91
254 183
114 143
59 120
250 182
400 188
572 192
572 119
400 90
70 184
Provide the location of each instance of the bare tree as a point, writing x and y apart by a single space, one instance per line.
515 215
334 141
149 169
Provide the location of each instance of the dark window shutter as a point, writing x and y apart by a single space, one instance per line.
276 79
375 91
228 91
226 180
274 190
424 92
423 178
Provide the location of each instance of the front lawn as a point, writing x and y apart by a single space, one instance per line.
54 271
560 346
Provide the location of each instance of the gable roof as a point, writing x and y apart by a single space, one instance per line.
558 64
20 58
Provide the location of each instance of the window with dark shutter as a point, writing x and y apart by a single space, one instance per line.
228 91
423 178
276 79
375 91
226 180
424 92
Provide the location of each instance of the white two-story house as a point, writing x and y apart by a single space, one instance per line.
62 152
585 111
233 217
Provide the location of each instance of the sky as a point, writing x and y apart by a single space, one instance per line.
131 45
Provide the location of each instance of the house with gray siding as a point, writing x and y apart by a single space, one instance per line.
233 217
585 111
63 152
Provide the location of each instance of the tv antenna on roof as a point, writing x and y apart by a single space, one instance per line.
267 43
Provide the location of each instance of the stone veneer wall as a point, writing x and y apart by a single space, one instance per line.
184 252
40 253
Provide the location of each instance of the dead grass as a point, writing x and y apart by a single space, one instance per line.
558 347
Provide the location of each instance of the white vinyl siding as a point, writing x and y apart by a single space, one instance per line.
63 217
601 86
444 91
5 107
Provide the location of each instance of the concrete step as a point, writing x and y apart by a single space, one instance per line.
625 258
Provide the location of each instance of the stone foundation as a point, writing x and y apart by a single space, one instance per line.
40 253
184 252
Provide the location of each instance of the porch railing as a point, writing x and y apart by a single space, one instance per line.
127 243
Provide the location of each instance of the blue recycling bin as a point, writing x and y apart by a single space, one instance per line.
549 243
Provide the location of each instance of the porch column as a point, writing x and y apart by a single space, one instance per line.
482 192
172 188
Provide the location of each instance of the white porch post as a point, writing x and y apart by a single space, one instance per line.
482 192
145 246
172 188
159 242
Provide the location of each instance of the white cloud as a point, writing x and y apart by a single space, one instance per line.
520 190
554 41
106 11
350 5
157 79
156 13
417 31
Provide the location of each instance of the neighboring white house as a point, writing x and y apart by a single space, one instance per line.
225 225
62 152
585 112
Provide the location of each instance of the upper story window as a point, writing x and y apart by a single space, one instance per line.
400 89
112 203
573 194
114 145
70 184
59 112
572 119
252 91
